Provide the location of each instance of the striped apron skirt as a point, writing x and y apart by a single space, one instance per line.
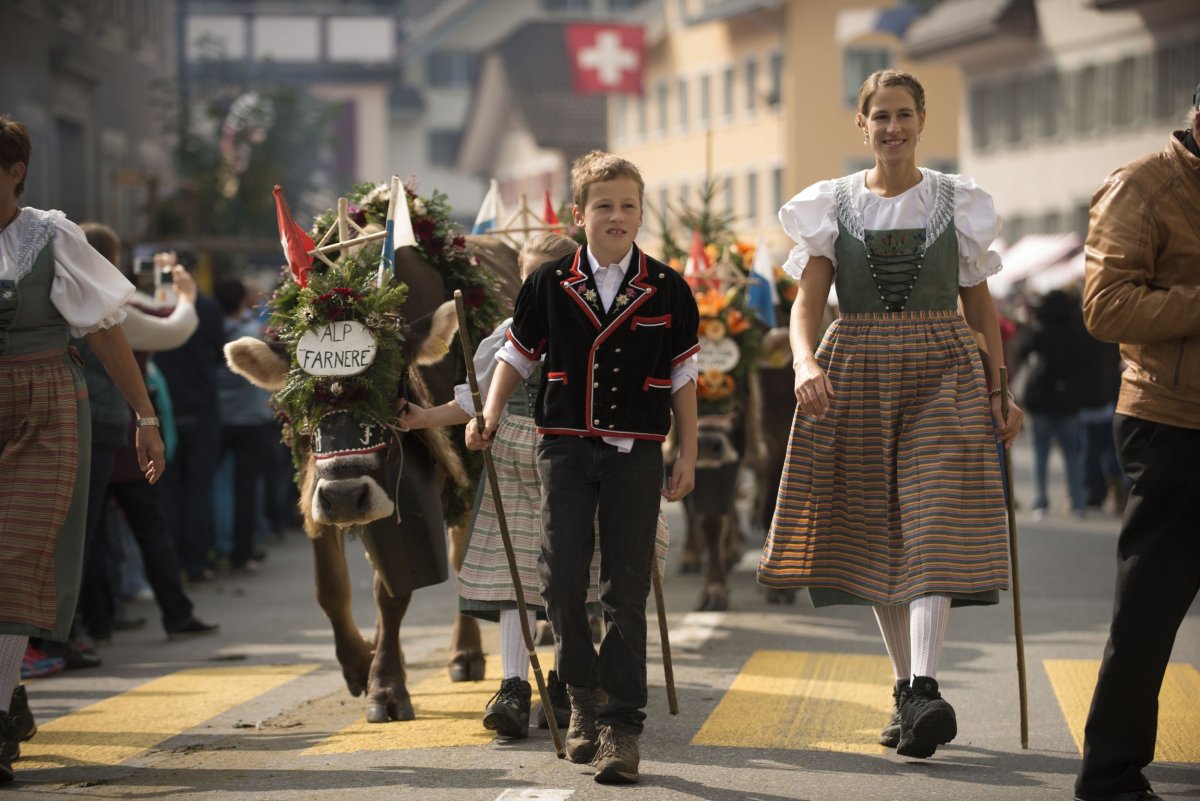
44 442
897 492
484 582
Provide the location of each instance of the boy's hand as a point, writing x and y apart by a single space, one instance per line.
683 479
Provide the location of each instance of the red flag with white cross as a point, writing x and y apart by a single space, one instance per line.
605 58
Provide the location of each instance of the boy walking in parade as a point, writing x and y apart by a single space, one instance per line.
619 333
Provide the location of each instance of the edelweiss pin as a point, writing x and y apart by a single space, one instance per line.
590 295
621 300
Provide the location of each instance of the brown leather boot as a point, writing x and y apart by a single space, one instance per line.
581 734
617 757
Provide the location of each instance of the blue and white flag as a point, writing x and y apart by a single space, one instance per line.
760 291
399 229
491 213
858 22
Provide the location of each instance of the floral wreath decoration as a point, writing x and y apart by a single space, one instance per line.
348 291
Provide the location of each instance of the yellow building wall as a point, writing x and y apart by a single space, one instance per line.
810 134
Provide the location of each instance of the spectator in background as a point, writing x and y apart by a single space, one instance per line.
191 375
112 462
248 429
1050 352
1102 474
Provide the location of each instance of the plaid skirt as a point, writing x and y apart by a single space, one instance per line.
897 492
484 583
44 461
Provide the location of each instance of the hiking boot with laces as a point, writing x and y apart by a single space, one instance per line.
9 745
581 733
617 757
507 713
22 715
926 720
890 734
560 702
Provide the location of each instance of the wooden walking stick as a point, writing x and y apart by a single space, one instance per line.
468 351
668 669
1018 629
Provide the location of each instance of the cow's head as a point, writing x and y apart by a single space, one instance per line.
343 457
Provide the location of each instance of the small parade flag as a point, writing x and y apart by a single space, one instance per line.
296 243
398 226
855 23
698 270
761 296
548 214
491 212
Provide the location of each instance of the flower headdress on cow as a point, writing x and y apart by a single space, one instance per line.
438 240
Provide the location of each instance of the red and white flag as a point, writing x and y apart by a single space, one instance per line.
605 58
296 242
698 271
549 216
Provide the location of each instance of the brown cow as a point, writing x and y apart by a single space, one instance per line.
395 491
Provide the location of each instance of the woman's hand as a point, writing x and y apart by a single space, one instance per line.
475 440
151 454
814 392
413 416
1007 430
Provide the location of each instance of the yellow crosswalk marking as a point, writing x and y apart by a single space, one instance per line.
1074 680
130 723
803 701
448 714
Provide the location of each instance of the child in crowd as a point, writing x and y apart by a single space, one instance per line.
485 587
619 333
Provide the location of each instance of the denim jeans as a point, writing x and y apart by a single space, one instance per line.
585 480
1064 429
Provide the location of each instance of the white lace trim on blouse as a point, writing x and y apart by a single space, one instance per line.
811 219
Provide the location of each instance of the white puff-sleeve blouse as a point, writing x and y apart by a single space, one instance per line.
810 219
87 289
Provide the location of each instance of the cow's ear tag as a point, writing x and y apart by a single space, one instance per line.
340 348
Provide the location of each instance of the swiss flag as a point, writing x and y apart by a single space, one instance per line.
605 58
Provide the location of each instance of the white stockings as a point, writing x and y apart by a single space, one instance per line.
913 634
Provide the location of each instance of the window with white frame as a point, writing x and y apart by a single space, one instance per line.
752 196
682 88
727 93
751 84
775 96
857 65
777 188
704 106
661 90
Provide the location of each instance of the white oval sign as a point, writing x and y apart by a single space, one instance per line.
342 348
717 354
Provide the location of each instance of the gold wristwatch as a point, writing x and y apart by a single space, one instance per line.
141 422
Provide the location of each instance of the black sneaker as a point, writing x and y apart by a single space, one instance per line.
22 716
507 713
560 702
9 746
890 734
926 720
193 628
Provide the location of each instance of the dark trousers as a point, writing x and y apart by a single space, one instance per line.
252 447
1158 574
584 481
188 482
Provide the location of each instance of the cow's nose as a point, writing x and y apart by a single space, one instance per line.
344 500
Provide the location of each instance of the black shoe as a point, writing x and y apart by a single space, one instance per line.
560 702
926 720
122 622
1137 795
890 734
193 628
9 746
22 716
73 655
507 713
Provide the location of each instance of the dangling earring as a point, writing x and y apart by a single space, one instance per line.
918 137
866 139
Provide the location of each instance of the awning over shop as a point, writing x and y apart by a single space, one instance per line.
1032 255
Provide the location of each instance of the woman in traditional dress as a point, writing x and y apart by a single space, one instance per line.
892 495
53 286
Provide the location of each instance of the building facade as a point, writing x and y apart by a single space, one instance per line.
759 99
1061 92
94 83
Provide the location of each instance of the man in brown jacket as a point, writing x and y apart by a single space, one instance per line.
1143 291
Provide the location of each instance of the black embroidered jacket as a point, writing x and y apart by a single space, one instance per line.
606 374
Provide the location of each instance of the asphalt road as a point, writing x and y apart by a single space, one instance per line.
776 702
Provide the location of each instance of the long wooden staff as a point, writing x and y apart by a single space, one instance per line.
668 668
1018 629
468 352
